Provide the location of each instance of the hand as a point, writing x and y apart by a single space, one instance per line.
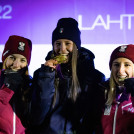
51 63
23 71
13 80
129 84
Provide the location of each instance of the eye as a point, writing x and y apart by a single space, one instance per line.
23 60
127 64
116 64
12 57
58 43
67 43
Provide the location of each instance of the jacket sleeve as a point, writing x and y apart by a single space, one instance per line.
5 95
43 92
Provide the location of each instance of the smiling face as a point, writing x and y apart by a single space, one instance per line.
16 62
63 46
122 68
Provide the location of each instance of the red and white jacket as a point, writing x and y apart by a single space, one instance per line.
9 121
119 118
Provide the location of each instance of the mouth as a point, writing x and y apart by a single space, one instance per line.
121 79
9 71
14 70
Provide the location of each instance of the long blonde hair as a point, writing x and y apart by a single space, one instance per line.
112 91
75 86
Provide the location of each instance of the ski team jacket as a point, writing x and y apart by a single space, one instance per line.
9 121
66 116
119 117
13 113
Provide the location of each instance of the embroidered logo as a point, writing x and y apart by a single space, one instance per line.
131 110
21 46
107 110
61 30
5 53
122 49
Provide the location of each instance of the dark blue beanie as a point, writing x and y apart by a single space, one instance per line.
67 28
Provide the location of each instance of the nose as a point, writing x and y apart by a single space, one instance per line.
62 48
121 69
16 64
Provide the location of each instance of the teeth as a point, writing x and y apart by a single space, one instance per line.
122 78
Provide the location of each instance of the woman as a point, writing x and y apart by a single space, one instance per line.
118 117
62 85
15 85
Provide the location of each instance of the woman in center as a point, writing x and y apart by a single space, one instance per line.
65 84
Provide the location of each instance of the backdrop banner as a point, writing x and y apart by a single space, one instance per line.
100 21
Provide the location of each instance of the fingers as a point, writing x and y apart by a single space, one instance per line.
51 63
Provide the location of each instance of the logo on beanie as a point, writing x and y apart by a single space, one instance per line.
21 46
122 49
61 30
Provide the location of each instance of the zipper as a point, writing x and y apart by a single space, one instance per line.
14 119
115 116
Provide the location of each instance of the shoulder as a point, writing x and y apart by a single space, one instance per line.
85 60
28 78
49 55
43 71
85 53
39 70
98 76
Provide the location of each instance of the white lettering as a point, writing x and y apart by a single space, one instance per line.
97 23
125 21
113 21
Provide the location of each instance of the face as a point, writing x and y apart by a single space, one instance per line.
16 62
122 68
63 46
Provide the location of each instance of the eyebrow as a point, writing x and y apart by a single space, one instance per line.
23 58
11 55
120 62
